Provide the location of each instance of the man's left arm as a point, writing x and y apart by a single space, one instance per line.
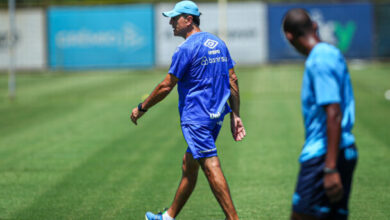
237 127
332 180
158 94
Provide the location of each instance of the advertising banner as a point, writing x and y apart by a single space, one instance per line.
382 26
101 37
246 31
29 39
347 26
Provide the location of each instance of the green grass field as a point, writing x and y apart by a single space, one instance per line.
69 151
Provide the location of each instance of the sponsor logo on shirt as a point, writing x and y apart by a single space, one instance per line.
213 52
217 115
207 151
208 60
210 43
204 61
218 59
213 115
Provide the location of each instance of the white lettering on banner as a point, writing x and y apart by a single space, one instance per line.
4 40
131 37
126 37
326 28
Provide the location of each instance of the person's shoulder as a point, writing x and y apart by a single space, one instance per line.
203 37
214 37
184 47
210 35
323 55
189 43
326 51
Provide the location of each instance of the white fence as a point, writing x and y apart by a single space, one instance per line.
246 28
30 39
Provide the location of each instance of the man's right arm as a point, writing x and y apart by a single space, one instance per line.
161 91
327 94
237 127
332 180
158 94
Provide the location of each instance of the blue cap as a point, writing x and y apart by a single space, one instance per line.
183 7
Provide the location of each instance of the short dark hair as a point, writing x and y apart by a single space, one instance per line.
195 19
298 22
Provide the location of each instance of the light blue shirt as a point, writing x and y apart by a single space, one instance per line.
202 63
326 81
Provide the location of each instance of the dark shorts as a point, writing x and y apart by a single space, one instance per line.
310 198
201 139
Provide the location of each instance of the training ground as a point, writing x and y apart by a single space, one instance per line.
68 149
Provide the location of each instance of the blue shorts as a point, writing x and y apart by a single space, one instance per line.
310 198
201 139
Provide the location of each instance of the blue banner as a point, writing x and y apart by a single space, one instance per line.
347 26
382 26
101 37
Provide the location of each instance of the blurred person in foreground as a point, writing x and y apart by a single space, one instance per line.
329 155
203 70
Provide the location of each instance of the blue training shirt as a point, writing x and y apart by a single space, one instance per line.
326 80
202 63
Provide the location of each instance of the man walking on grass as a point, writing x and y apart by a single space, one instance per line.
203 69
329 154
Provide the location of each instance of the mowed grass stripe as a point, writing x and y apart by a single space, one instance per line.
33 106
370 197
89 190
371 106
272 139
154 187
371 175
70 125
56 132
93 164
86 107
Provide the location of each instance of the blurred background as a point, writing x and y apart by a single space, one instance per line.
133 34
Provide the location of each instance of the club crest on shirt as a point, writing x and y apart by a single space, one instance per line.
210 43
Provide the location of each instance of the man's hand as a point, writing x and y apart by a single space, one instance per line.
135 115
333 187
158 94
237 127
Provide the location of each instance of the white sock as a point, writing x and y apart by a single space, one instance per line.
167 217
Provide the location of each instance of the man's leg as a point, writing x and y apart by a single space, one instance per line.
219 186
187 184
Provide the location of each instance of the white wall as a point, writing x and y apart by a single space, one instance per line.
246 24
29 49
